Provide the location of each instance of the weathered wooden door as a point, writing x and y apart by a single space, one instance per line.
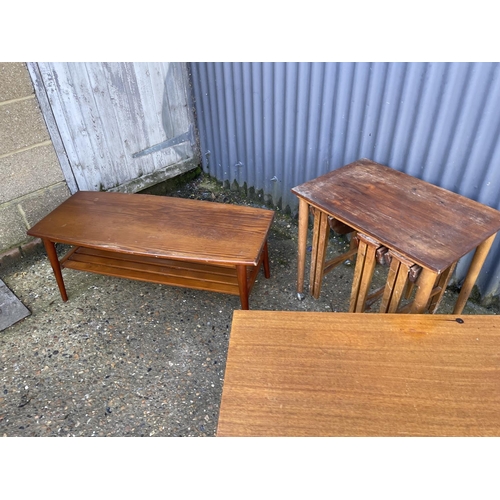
118 126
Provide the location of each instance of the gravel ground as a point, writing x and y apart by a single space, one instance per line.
126 358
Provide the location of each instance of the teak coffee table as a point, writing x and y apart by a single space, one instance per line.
173 241
337 374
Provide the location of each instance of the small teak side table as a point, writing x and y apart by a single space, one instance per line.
420 229
174 241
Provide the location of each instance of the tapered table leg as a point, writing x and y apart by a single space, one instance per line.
241 272
265 261
442 284
50 248
426 283
475 266
318 257
363 272
397 279
397 282
302 245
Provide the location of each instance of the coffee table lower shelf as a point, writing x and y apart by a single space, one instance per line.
212 277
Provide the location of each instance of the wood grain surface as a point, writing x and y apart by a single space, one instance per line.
340 374
159 226
429 225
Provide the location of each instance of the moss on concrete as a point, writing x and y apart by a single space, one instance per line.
168 186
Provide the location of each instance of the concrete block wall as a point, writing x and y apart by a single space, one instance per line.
31 180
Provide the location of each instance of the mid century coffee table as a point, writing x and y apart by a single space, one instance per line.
421 227
188 243
337 374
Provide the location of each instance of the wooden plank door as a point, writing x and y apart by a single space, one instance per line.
118 126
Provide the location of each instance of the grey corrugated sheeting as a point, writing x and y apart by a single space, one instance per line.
276 125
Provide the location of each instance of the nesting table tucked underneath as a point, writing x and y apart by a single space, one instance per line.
336 374
174 241
420 229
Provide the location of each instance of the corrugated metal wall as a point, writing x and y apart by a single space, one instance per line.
276 125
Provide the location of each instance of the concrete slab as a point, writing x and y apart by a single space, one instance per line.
12 309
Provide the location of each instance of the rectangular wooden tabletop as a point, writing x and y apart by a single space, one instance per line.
429 225
159 226
343 374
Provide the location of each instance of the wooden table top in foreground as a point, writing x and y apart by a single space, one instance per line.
159 226
344 374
